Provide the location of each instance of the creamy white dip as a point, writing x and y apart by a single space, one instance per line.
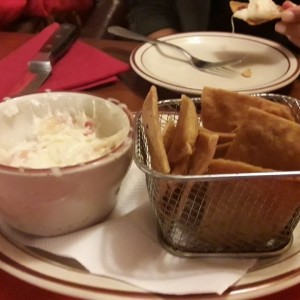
60 141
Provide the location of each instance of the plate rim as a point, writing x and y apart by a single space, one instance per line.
32 268
274 85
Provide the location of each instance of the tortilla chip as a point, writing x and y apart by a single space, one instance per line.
253 13
261 207
186 132
247 73
181 167
224 137
221 150
236 5
227 166
152 127
168 134
268 141
204 152
223 110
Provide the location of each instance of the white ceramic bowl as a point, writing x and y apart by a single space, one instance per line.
58 200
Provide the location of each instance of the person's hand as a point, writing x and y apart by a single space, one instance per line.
289 25
162 32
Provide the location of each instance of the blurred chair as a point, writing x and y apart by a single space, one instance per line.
105 14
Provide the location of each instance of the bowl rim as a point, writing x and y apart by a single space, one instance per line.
79 167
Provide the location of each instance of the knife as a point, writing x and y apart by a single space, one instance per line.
41 65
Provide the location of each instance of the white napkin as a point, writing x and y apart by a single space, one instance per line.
126 247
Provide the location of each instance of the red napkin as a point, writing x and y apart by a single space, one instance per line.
82 67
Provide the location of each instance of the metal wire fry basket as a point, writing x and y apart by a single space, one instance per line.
251 214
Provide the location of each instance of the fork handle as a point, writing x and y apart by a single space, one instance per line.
128 34
200 64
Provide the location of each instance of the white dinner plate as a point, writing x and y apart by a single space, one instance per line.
64 276
272 66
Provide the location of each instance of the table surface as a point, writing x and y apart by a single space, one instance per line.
131 90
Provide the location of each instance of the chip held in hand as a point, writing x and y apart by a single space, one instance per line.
256 11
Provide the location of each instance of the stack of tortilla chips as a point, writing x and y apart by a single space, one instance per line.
234 134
